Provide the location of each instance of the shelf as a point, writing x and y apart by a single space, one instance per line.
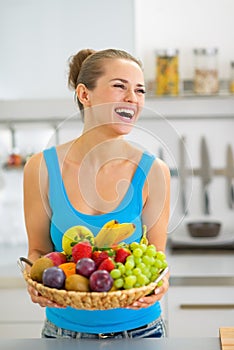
202 107
186 91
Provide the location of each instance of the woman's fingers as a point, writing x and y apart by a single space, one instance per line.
152 298
37 298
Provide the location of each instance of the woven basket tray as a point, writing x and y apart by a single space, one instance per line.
87 300
91 300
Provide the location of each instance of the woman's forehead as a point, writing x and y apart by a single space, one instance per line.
123 69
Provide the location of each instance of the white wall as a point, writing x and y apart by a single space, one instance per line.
184 24
38 36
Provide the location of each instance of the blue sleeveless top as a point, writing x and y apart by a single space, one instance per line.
64 215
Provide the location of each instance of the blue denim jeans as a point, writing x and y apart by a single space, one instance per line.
155 329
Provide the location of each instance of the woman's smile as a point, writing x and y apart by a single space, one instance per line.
126 113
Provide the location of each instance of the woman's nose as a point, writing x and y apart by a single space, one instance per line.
130 96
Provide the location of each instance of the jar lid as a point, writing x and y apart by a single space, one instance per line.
170 52
206 51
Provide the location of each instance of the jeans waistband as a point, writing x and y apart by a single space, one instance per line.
51 330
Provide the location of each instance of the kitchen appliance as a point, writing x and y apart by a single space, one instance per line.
230 176
206 174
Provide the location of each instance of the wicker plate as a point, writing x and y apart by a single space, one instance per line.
91 300
88 300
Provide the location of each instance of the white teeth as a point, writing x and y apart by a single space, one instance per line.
125 112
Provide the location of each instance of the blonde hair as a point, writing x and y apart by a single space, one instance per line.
87 66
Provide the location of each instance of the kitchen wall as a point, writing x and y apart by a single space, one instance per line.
184 25
38 37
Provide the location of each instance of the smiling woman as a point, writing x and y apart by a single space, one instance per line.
95 178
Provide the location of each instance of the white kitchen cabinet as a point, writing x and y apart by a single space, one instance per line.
199 311
19 317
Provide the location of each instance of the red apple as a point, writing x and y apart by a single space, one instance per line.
58 258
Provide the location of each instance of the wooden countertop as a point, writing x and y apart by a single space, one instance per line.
227 338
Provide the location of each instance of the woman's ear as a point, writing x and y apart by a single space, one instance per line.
83 94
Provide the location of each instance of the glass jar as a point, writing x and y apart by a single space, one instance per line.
231 86
206 80
167 72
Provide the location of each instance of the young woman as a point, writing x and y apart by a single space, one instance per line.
95 178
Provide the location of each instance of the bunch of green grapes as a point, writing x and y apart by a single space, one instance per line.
140 268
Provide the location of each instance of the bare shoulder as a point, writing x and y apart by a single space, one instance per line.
35 172
36 176
33 164
159 168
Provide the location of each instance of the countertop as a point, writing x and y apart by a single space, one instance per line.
125 344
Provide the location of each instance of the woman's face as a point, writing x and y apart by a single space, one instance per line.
118 96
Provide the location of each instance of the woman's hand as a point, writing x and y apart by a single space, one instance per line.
152 298
37 298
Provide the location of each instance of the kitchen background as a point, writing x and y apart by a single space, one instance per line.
38 37
37 110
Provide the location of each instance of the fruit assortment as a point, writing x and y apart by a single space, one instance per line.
103 263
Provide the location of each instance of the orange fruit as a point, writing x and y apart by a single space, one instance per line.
69 268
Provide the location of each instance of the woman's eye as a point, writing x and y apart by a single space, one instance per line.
141 91
121 86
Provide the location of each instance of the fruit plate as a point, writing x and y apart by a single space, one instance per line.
90 300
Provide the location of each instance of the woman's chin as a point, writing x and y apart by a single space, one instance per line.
122 128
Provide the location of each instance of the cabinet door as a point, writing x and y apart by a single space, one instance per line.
199 311
19 317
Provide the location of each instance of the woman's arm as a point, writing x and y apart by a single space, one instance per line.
37 216
156 209
156 217
36 208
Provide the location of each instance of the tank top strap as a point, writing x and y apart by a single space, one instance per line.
143 169
52 163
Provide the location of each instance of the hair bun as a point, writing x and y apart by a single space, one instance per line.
75 63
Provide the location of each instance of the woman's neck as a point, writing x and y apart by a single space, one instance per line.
99 148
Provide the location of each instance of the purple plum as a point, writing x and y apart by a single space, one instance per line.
100 281
54 277
85 267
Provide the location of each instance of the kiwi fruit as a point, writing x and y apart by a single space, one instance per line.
77 283
38 267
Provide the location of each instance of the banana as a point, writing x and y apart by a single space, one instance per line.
112 233
144 239
110 224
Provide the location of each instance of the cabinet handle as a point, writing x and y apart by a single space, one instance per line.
206 306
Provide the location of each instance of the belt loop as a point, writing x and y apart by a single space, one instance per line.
60 332
126 334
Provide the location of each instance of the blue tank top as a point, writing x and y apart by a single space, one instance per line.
64 215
